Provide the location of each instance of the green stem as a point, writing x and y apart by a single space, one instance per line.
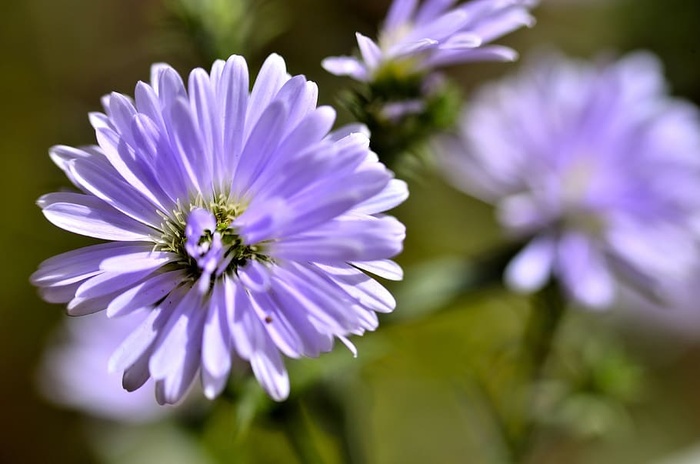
548 308
332 416
292 418
501 434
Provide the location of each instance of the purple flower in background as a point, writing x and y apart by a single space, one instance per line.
416 39
234 217
595 163
74 370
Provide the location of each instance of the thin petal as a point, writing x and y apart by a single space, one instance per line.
400 13
144 335
371 53
138 261
233 89
585 272
76 264
532 267
147 293
90 216
110 282
395 193
272 75
383 268
347 240
216 345
346 66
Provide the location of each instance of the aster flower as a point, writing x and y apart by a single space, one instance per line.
596 164
74 370
417 38
235 217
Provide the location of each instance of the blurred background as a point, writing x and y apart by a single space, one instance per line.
413 395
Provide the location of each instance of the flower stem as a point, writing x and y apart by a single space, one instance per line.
291 416
548 308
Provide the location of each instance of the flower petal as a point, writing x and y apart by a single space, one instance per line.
87 215
532 267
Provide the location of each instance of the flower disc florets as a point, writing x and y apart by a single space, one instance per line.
204 238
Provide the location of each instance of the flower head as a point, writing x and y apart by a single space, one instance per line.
235 217
417 38
595 163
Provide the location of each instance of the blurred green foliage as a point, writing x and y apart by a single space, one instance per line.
216 29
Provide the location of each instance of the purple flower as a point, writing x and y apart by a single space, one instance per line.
235 217
415 39
595 163
74 370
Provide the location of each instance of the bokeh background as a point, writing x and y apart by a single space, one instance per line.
411 397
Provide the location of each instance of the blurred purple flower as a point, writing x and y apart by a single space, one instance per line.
74 370
237 219
595 163
437 33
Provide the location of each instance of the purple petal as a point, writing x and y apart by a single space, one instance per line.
324 302
490 53
260 146
269 369
272 75
371 53
346 66
395 193
369 293
142 338
148 105
216 345
532 267
205 114
505 22
63 157
347 240
440 28
400 13
76 265
137 260
255 276
145 294
110 188
80 306
129 166
233 87
383 268
277 170
87 215
276 324
136 375
188 149
167 84
109 283
171 348
59 294
584 272
432 9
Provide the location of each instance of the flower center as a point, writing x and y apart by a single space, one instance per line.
576 187
207 243
392 37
